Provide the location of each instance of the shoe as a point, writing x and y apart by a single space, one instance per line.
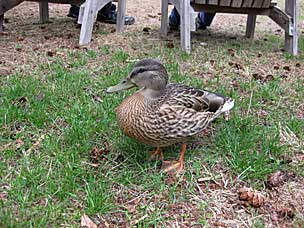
111 18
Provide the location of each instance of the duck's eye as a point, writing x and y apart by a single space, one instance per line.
141 70
124 81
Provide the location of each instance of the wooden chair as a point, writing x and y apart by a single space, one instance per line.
286 20
87 14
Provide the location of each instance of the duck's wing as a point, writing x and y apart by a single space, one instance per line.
197 99
179 121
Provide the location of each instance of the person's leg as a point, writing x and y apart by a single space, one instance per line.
74 11
204 19
108 14
174 19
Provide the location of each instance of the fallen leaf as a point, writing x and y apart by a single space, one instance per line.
103 224
236 65
170 180
4 71
36 144
50 53
99 154
18 143
86 222
257 76
69 36
287 68
152 16
131 208
269 77
286 212
231 52
262 113
284 76
235 84
19 38
274 217
170 44
146 29
3 196
212 62
20 102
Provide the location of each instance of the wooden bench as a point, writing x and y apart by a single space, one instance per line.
286 20
87 14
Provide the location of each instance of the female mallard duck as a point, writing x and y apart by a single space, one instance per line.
161 113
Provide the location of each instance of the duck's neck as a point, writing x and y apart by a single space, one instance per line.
151 93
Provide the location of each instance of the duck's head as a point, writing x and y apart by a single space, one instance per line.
148 74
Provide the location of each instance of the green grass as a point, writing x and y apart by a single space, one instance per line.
53 184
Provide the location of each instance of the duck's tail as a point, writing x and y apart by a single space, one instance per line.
224 108
228 105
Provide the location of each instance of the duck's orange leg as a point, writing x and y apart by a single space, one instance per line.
173 167
157 154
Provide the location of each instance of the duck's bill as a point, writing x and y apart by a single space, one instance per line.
123 85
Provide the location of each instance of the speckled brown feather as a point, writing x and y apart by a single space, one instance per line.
177 114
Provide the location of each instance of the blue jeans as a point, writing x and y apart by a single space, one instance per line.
204 19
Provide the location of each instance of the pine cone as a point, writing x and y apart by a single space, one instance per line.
278 178
251 197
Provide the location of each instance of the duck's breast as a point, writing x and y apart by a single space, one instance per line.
130 116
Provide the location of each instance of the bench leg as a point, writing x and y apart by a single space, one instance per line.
1 23
87 22
121 13
44 11
291 41
164 18
185 25
250 27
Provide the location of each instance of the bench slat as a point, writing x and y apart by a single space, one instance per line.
257 4
213 2
236 3
200 1
266 3
225 2
247 3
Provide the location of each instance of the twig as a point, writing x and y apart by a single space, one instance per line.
138 220
36 144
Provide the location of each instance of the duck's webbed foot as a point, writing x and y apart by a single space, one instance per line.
174 167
